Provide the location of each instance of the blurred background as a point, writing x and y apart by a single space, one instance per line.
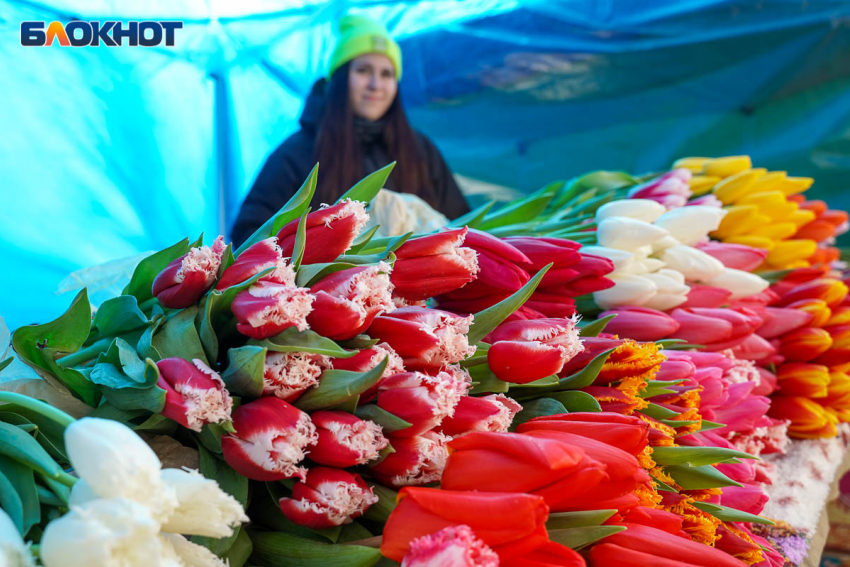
109 153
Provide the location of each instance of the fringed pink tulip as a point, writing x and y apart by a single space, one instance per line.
256 258
345 440
424 338
494 413
525 351
194 394
330 231
452 546
717 329
347 301
422 400
433 265
267 308
327 498
187 278
415 460
271 439
706 296
287 375
737 256
640 323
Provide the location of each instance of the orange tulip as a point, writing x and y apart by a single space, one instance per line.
838 396
840 316
805 344
802 379
817 230
831 290
818 207
820 311
837 218
839 352
809 420
825 255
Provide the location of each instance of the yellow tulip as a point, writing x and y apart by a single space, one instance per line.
733 188
693 163
792 185
788 251
762 242
770 181
727 166
739 219
801 217
702 184
776 230
771 203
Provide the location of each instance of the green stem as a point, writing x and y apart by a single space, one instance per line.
84 354
148 304
35 549
68 480
38 406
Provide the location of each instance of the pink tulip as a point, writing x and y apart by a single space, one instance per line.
706 200
755 348
717 329
777 321
671 189
706 296
256 258
267 308
452 546
749 498
327 498
185 279
737 256
194 394
422 400
345 440
433 265
330 231
287 375
640 323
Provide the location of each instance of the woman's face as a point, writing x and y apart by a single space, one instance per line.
372 85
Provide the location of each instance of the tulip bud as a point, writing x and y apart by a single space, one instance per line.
433 265
544 304
671 287
840 316
640 323
627 290
330 231
717 329
194 394
805 344
705 201
800 379
327 498
256 258
809 420
627 234
691 225
502 268
203 508
366 360
737 256
267 308
831 291
671 189
452 546
694 264
187 278
791 251
558 251
424 338
270 440
707 296
415 461
839 353
755 348
777 321
525 351
287 375
643 267
741 284
13 551
422 400
345 440
645 210
347 301
817 308
620 259
494 413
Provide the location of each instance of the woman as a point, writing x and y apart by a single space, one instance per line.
353 123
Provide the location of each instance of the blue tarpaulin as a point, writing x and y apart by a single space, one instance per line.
108 152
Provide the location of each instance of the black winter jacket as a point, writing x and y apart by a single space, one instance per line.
290 164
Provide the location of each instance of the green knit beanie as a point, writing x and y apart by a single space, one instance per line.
359 35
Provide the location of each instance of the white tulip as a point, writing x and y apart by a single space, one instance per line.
690 225
627 234
115 462
627 290
620 258
694 264
663 244
641 253
742 284
672 290
203 507
184 553
644 266
13 550
112 532
645 210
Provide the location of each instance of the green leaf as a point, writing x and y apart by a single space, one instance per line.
367 188
386 503
658 388
473 218
577 401
158 424
698 478
667 343
142 280
586 375
484 381
244 373
382 417
488 319
210 437
580 519
130 399
349 405
774 276
38 345
300 241
121 367
664 486
479 357
726 514
293 209
47 498
232 483
108 411
658 412
278 549
145 346
353 532
20 446
179 337
542 385
591 205
241 549
337 386
22 479
593 328
709 425
11 502
227 260
360 342
695 456
118 315
361 241
6 363
309 274
293 340
537 408
520 211
576 538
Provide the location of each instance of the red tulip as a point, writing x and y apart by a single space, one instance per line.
434 264
345 440
525 351
551 304
349 300
185 279
706 296
423 511
194 393
840 316
270 440
805 344
452 546
256 258
656 518
366 360
287 375
582 285
736 256
542 251
488 413
415 460
422 400
830 290
777 321
593 346
547 555
628 433
640 323
267 308
330 231
424 338
839 352
327 498
717 329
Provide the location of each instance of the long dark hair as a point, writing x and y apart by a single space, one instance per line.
338 152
